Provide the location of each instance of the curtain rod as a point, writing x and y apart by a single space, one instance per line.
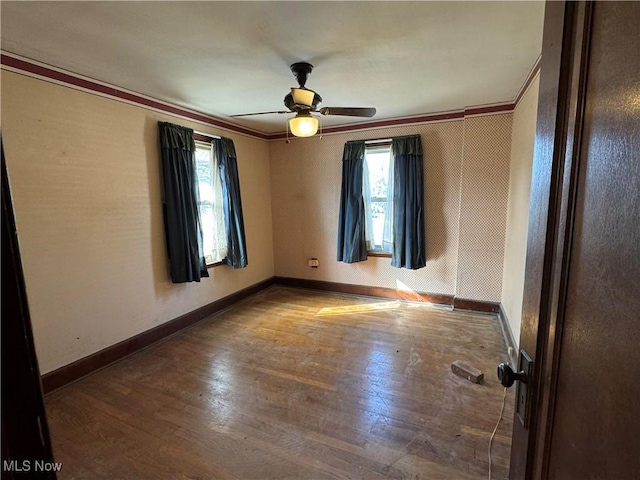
383 140
206 134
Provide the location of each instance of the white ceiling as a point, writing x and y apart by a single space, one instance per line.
224 58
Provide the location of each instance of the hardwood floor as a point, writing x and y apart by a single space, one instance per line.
298 384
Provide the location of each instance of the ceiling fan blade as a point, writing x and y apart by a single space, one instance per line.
348 111
260 113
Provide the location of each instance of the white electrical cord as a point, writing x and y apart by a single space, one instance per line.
504 397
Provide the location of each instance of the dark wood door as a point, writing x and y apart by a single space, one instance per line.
581 312
596 418
26 447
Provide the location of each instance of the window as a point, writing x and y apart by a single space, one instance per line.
378 198
210 204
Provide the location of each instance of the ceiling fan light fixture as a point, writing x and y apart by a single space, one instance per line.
303 125
303 96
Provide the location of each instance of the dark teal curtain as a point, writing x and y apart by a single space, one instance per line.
181 215
352 245
408 203
232 202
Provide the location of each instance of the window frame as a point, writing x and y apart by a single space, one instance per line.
371 146
202 140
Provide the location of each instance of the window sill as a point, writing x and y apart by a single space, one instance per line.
379 254
211 265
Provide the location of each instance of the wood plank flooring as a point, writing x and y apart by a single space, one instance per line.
295 384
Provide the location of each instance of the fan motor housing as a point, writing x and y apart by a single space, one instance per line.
301 70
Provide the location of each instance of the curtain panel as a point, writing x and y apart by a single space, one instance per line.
225 151
352 245
181 216
408 203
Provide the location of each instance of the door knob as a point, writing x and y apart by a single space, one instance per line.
507 376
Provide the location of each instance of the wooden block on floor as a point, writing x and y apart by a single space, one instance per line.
467 371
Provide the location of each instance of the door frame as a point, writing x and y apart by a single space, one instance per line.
25 432
556 160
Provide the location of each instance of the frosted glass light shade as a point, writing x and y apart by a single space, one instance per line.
302 96
303 125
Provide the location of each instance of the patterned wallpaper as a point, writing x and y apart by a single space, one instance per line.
484 191
305 186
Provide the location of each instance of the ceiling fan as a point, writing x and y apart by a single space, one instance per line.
303 102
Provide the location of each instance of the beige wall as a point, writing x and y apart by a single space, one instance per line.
466 186
85 178
522 142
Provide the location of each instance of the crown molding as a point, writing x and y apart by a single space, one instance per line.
15 63
32 68
527 83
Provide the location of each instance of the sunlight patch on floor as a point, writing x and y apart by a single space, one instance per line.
361 308
408 293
